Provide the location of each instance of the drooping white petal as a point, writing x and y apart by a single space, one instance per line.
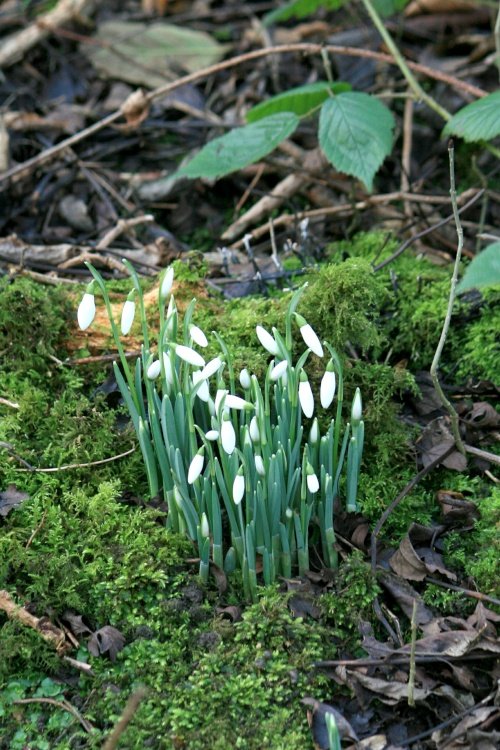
221 393
196 467
128 313
238 488
212 435
306 398
154 370
259 465
235 402
211 367
314 432
189 355
327 388
166 284
86 311
254 430
279 370
357 407
228 436
204 527
198 336
311 340
267 340
312 483
245 379
203 392
167 366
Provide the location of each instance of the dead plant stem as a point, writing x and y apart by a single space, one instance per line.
446 325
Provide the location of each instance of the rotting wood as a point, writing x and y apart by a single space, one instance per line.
48 631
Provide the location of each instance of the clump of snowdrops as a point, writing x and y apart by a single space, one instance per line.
243 466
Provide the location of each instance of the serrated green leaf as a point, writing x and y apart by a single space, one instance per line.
240 147
484 269
301 100
355 134
479 121
300 9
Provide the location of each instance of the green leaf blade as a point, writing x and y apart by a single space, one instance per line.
300 9
355 134
301 100
240 147
479 121
483 270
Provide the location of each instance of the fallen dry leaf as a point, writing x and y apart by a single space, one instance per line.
106 640
11 498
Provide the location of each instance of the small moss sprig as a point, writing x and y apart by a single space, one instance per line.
231 453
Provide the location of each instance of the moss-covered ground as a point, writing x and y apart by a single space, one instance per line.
80 543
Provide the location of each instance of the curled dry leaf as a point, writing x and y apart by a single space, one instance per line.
316 718
106 640
11 498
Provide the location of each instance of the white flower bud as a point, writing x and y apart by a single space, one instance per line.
289 513
308 334
306 397
166 284
221 393
357 407
259 465
154 370
204 527
189 355
238 487
128 313
211 368
312 480
196 466
279 370
328 386
254 430
86 311
235 402
198 336
228 436
212 435
167 366
203 393
314 432
267 340
245 379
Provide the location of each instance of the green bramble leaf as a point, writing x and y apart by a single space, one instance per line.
300 9
301 100
483 270
479 121
240 147
355 134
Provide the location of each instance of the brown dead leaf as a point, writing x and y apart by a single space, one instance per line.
405 595
406 563
456 508
232 612
482 415
11 498
316 720
461 731
220 577
76 623
106 640
435 440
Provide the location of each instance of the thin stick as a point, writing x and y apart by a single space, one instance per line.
437 356
23 169
60 704
466 592
124 720
79 466
413 664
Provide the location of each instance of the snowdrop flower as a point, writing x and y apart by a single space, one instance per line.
189 355
357 408
203 393
328 386
304 228
128 313
198 336
86 308
312 480
305 395
153 370
254 430
235 402
167 366
314 432
308 334
196 466
227 435
238 486
278 370
245 379
221 394
289 513
166 284
211 368
259 465
204 527
212 435
267 340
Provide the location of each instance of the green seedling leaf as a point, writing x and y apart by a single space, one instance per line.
355 133
240 147
479 121
484 270
154 52
300 9
302 100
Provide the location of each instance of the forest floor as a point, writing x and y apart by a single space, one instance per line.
109 637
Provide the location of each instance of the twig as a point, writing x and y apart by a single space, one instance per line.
79 466
492 457
123 225
99 358
413 664
466 592
124 720
42 625
10 404
448 722
60 704
406 153
442 340
23 169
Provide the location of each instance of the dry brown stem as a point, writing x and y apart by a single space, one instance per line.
49 632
